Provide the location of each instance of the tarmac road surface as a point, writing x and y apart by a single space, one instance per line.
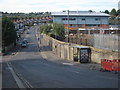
44 73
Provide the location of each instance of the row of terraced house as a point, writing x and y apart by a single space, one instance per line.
20 23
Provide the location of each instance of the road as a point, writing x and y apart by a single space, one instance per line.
44 73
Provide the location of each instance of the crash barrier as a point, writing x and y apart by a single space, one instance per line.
110 65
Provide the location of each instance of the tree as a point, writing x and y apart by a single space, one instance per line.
90 11
60 31
58 28
118 12
8 32
112 20
45 29
106 11
113 12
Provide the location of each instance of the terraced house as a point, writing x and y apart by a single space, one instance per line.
82 19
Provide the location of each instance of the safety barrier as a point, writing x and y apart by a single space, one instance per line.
103 63
110 65
116 65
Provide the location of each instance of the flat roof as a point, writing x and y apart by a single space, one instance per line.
79 13
80 47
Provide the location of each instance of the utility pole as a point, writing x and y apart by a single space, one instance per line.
77 28
68 26
55 33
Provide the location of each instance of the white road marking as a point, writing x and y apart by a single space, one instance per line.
68 64
0 81
76 71
18 81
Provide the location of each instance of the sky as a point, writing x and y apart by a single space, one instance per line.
27 6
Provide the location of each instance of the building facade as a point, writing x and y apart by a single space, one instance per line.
82 19
118 5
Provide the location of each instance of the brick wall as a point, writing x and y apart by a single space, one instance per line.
87 27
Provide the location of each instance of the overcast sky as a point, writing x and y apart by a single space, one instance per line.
27 6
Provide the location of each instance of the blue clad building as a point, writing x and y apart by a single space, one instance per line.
82 19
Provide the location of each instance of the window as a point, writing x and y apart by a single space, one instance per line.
79 25
97 19
72 19
94 25
89 25
63 18
83 19
70 25
69 18
74 25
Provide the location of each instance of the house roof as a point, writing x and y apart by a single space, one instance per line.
118 16
79 13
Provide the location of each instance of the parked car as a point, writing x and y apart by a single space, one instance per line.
24 44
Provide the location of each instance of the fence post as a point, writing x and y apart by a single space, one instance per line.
60 50
86 42
81 40
69 53
76 39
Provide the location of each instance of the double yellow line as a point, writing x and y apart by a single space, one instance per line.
26 83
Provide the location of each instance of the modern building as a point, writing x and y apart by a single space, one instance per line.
118 5
82 19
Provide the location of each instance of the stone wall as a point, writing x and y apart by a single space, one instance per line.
64 51
98 54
